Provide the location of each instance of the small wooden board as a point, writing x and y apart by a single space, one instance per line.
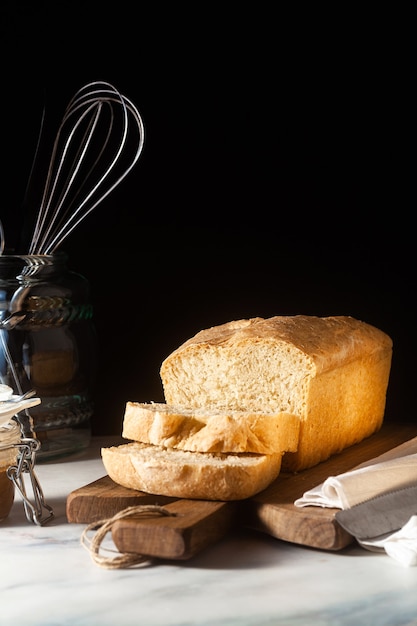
199 523
194 524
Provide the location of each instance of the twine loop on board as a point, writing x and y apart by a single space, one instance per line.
102 527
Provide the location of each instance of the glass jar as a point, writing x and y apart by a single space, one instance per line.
48 343
9 441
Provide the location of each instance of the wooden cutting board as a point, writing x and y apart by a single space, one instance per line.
192 526
199 523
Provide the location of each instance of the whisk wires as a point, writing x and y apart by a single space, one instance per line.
96 146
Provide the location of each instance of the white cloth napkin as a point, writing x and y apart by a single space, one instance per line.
401 545
390 471
346 490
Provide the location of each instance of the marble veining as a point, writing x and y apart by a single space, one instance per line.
248 579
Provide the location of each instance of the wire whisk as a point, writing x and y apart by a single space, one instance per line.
98 142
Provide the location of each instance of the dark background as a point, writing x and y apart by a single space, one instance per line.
275 178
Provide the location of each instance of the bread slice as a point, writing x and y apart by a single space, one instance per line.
213 430
184 474
332 372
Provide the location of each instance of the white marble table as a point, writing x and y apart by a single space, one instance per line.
248 579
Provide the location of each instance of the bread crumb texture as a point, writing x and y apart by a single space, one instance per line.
211 430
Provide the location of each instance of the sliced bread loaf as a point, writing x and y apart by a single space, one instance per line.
332 372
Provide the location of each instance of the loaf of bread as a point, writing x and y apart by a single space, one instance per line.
184 474
212 430
331 372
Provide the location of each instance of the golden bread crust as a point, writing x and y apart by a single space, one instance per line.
194 475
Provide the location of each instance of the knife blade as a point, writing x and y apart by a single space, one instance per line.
381 515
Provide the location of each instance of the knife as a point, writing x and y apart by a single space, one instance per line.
381 515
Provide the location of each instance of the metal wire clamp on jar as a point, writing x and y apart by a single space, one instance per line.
17 458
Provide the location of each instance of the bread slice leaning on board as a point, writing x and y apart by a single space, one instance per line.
210 430
332 372
230 385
